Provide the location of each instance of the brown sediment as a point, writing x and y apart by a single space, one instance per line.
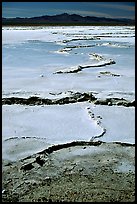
77 39
73 98
83 172
109 73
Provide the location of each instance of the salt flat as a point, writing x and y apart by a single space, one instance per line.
68 114
43 62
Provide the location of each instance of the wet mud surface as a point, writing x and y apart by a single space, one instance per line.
77 172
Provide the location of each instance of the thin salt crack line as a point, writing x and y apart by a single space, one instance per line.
25 137
98 123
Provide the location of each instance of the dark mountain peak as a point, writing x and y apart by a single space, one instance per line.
66 18
61 15
64 14
76 15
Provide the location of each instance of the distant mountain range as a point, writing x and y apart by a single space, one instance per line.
67 19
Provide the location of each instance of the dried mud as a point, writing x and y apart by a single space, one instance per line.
81 172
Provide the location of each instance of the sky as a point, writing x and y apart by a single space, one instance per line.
98 9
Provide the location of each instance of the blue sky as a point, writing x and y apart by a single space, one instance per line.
98 9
